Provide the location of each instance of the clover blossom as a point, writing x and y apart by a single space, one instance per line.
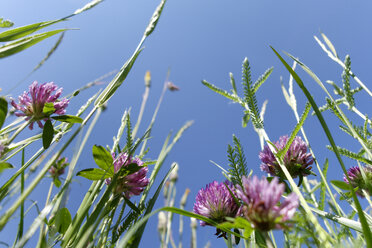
132 184
261 199
356 179
31 103
296 160
58 168
215 202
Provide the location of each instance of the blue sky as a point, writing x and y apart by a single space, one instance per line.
197 40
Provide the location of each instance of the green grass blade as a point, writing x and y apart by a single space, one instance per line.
366 229
150 205
117 81
20 45
20 32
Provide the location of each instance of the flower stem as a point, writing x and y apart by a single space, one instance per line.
229 241
18 132
268 241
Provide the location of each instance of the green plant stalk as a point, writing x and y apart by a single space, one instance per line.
117 224
318 229
109 222
182 206
154 117
291 100
87 203
97 215
338 61
323 179
42 230
193 226
4 219
4 188
229 241
126 239
142 110
366 229
81 213
268 241
170 203
11 127
22 210
18 131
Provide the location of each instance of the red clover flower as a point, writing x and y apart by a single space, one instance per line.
261 199
296 160
356 179
215 202
132 184
31 103
58 168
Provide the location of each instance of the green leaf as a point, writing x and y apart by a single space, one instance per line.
48 133
238 223
117 81
132 206
20 32
221 92
103 159
129 169
67 118
297 128
22 44
3 110
5 165
5 23
62 220
93 174
57 182
249 95
262 79
48 108
341 185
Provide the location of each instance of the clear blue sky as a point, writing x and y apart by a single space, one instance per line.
197 40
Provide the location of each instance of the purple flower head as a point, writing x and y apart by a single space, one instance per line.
58 168
215 202
296 160
356 179
31 103
132 184
261 199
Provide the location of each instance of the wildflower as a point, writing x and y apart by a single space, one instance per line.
132 184
57 169
261 199
31 103
215 202
296 160
356 179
